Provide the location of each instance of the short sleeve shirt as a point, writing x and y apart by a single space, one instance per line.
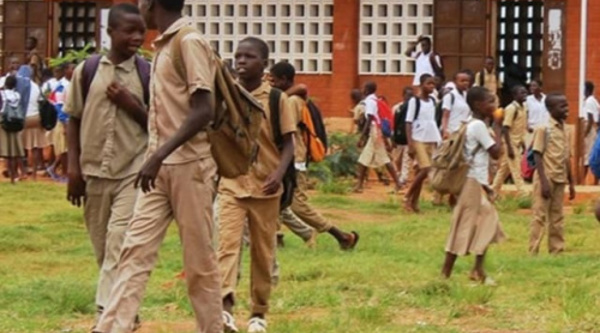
269 157
424 127
170 93
423 65
537 113
592 107
515 118
478 135
359 110
112 142
297 106
371 106
552 142
456 103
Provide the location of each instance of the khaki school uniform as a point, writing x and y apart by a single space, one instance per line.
242 198
112 152
552 143
515 118
184 191
491 82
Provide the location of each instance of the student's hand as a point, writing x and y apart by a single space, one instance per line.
511 152
121 97
572 193
272 183
76 189
546 194
146 178
388 145
445 134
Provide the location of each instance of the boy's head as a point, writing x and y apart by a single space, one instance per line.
58 72
150 9
67 70
10 83
126 29
519 93
558 106
13 64
425 44
535 87
251 58
370 88
407 93
31 43
356 96
589 88
282 75
481 101
489 63
462 80
427 83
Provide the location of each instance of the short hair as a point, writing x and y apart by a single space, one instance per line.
10 82
463 71
424 78
552 98
175 6
516 89
476 94
33 39
589 87
538 81
425 39
117 11
283 69
260 45
371 87
47 72
356 94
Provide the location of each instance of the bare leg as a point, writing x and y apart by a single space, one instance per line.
448 265
362 174
392 172
412 197
478 273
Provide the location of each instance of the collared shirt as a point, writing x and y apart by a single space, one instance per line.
538 115
554 149
112 143
371 107
297 106
591 106
490 81
459 109
269 157
170 94
424 126
423 65
478 135
515 118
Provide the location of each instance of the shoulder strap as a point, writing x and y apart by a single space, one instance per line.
417 107
90 67
482 78
176 55
143 69
452 99
274 98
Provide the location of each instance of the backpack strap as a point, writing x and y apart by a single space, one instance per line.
482 78
90 67
176 56
274 98
417 107
143 69
438 69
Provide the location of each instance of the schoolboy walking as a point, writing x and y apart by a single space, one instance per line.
402 160
552 156
475 222
177 177
488 77
256 195
104 160
282 75
514 128
454 105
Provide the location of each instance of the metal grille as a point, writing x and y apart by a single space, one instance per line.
77 26
520 35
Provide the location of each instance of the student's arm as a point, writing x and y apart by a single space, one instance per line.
300 90
509 148
572 193
412 48
410 115
76 184
126 101
201 114
509 116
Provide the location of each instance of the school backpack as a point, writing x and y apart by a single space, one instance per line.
90 67
289 178
317 118
400 125
13 117
315 148
449 166
594 161
48 114
386 118
235 129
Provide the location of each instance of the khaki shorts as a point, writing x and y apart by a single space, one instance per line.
423 153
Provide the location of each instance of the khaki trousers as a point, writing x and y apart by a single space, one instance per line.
108 209
262 215
295 225
547 213
303 209
512 167
183 192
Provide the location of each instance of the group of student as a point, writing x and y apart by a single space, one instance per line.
25 88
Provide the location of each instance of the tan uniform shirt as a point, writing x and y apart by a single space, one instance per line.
490 81
112 143
515 117
269 158
297 105
170 94
554 150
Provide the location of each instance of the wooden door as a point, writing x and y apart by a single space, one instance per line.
22 19
460 33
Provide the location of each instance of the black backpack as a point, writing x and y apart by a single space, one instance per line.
317 119
289 179
48 114
13 118
400 136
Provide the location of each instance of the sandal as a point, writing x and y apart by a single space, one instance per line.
350 245
229 323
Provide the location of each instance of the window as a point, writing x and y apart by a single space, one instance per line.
297 31
77 26
386 29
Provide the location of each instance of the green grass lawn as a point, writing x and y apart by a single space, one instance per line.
389 283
